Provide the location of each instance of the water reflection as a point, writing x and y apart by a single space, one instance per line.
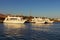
14 29
30 32
15 26
41 27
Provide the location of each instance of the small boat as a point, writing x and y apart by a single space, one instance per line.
48 21
10 19
37 20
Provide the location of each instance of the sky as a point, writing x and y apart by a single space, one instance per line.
43 8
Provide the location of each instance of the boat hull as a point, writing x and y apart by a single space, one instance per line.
40 22
14 21
50 22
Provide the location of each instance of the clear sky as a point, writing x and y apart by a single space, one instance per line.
48 8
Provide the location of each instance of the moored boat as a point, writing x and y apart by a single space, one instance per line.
10 19
37 20
48 21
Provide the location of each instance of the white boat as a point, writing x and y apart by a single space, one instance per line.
48 21
37 20
10 19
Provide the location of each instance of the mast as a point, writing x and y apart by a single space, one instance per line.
30 13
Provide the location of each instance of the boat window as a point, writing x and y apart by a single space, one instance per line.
13 18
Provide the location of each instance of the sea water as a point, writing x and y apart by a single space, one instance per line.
29 31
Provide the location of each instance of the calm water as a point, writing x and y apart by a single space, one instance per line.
29 31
